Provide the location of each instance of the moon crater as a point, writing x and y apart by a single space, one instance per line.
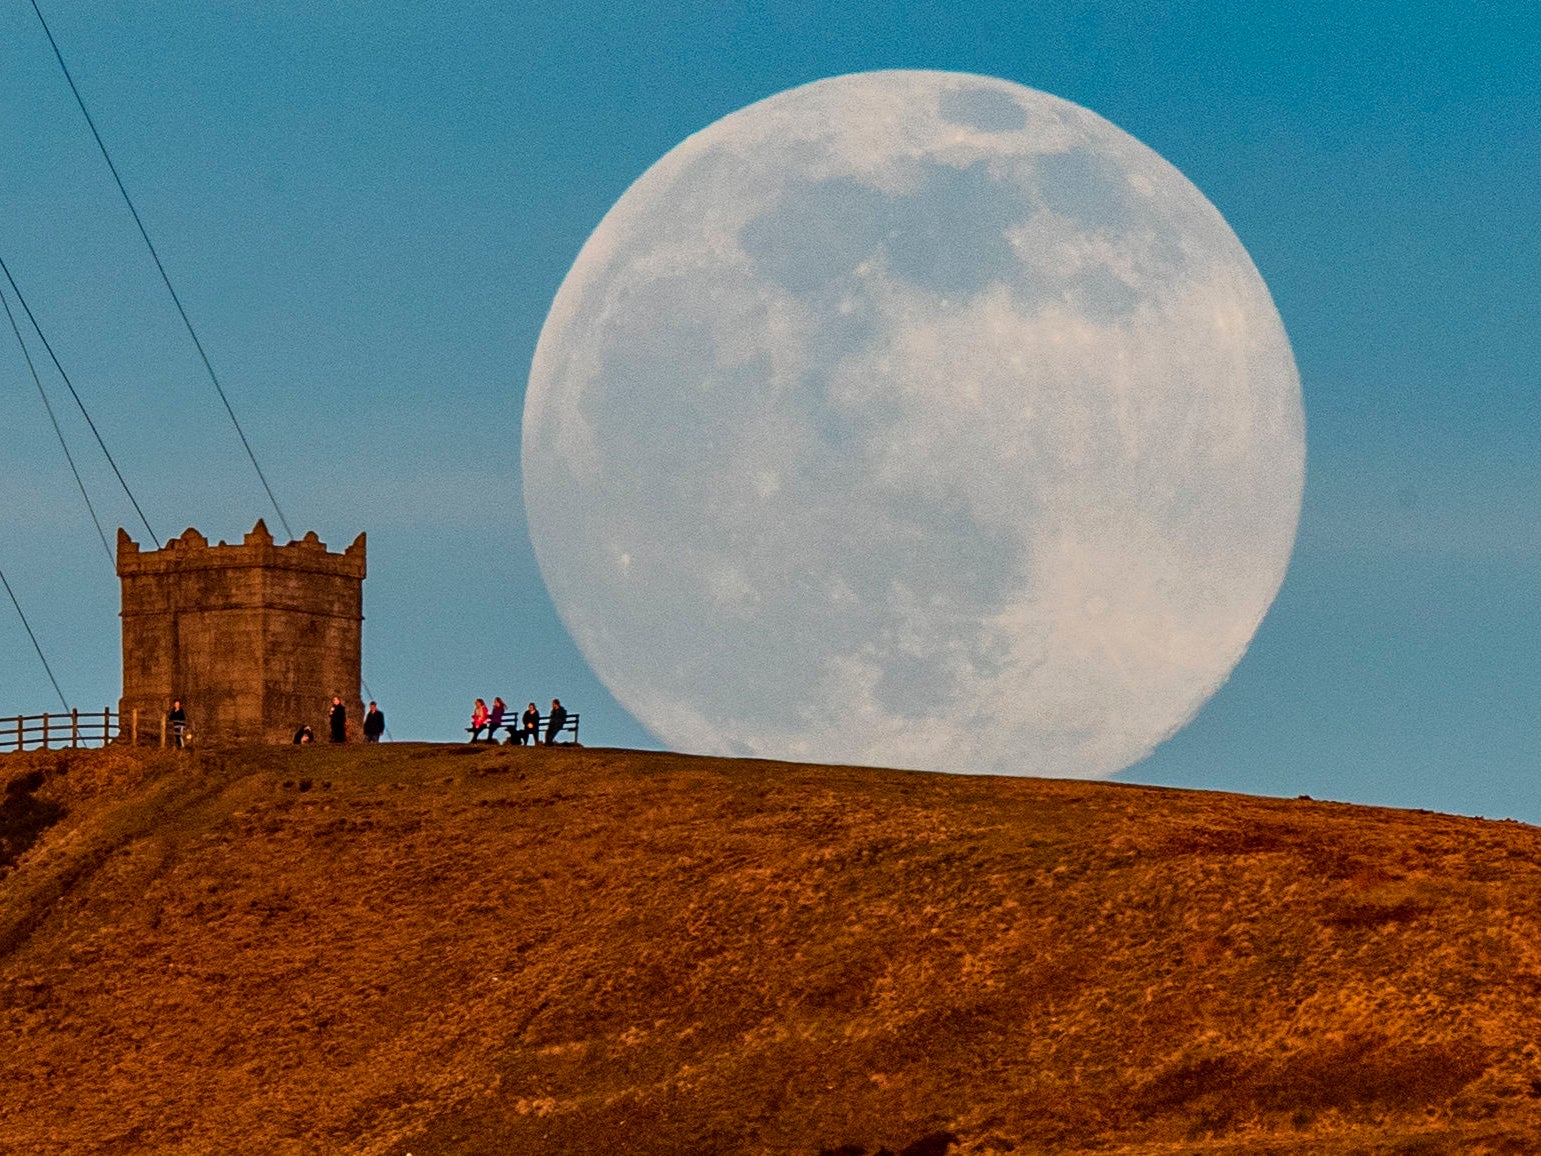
914 419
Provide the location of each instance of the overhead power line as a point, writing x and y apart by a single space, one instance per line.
81 405
63 445
177 301
38 329
32 636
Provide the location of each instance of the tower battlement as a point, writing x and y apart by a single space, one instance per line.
192 551
254 638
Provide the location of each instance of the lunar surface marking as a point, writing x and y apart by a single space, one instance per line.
914 419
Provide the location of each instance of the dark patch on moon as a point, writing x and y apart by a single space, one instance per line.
984 109
844 328
1086 188
1100 296
821 231
817 233
926 246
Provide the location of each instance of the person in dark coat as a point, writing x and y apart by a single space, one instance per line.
374 724
177 718
338 720
555 721
495 719
529 723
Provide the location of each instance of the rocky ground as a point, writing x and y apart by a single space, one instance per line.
435 950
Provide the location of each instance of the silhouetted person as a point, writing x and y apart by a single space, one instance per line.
479 717
529 726
338 720
555 721
304 735
176 718
495 719
374 724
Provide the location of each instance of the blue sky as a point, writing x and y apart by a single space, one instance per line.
367 210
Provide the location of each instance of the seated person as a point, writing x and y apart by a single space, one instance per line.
529 726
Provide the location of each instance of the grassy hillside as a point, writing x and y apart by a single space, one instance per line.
435 950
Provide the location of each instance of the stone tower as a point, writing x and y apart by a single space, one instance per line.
254 639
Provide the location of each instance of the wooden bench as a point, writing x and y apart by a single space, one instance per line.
513 727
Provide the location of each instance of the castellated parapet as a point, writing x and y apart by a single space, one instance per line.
254 639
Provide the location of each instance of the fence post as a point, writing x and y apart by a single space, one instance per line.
74 726
163 732
45 730
106 724
134 742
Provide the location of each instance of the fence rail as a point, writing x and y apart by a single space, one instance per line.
76 728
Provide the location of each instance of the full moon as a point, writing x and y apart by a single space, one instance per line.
914 419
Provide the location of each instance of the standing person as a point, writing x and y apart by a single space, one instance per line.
529 723
177 719
555 721
374 724
495 720
338 720
479 718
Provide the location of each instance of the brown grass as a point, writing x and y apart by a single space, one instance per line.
415 949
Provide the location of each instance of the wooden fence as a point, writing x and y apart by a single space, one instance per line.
75 729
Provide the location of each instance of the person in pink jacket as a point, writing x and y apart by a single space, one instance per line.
479 717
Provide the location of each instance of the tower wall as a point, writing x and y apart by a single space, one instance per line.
254 639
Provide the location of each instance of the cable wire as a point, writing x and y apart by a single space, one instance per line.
63 445
32 636
177 301
38 329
